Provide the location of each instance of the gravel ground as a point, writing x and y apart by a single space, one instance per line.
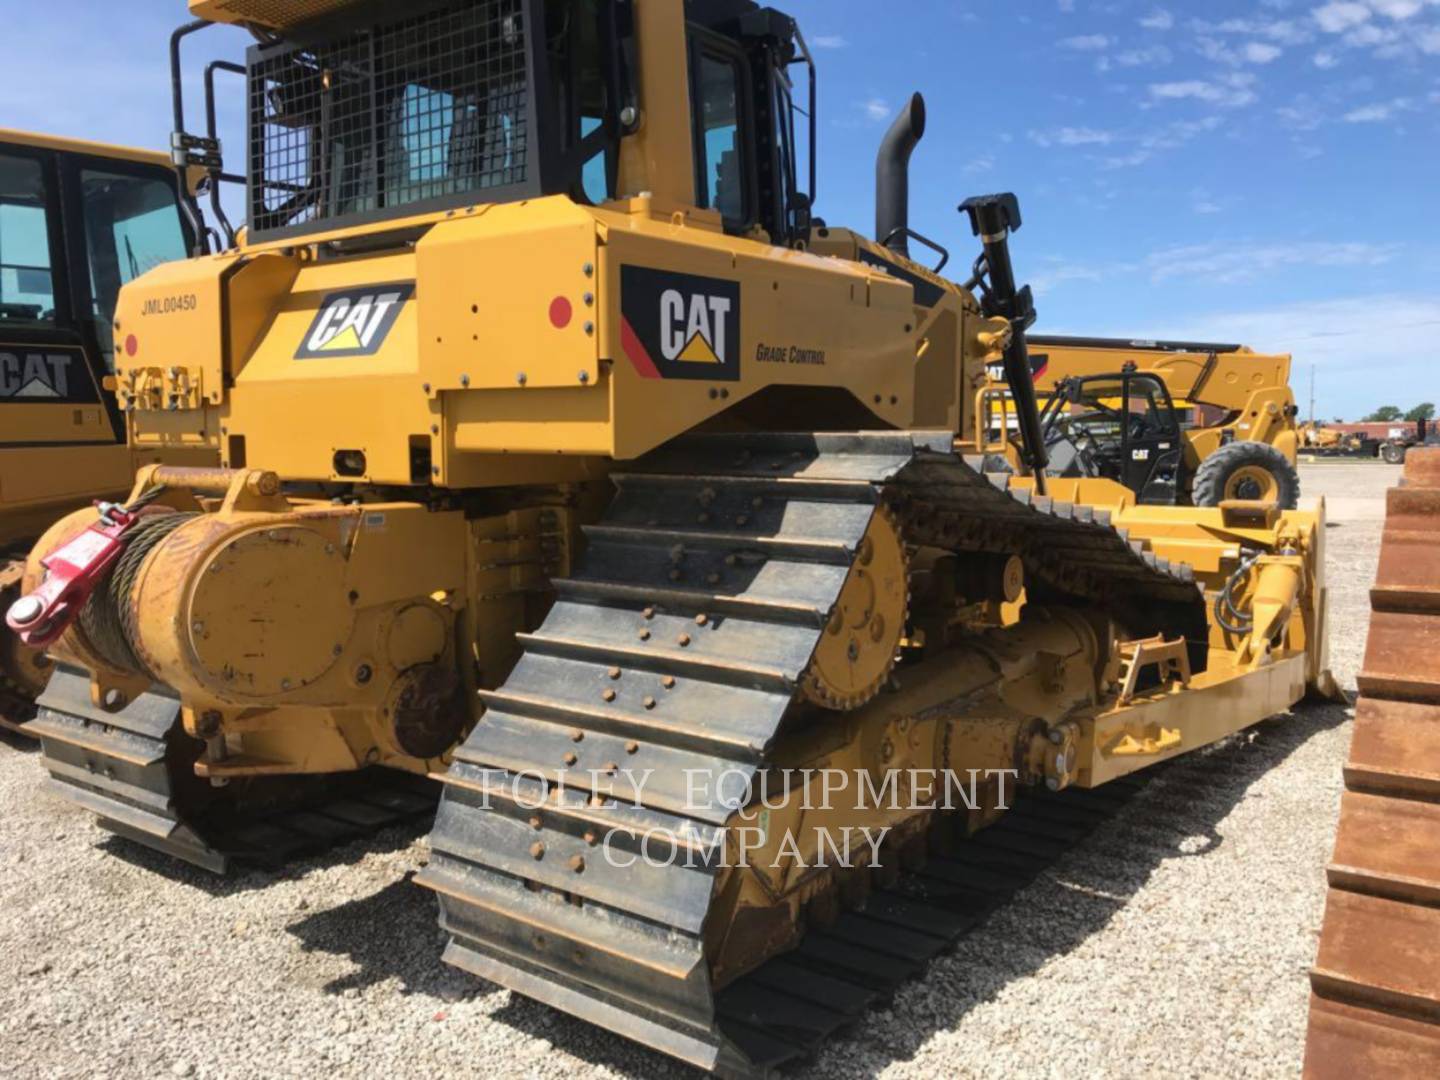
1177 938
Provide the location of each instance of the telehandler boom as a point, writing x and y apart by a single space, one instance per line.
569 457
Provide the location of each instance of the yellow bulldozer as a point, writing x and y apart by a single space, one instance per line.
570 458
1177 422
1319 439
78 220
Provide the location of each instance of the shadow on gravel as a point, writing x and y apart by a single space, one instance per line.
247 876
1176 815
393 933
14 742
390 934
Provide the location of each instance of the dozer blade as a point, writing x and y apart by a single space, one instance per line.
701 599
134 770
1375 987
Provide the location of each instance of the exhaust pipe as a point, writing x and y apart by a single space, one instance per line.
892 177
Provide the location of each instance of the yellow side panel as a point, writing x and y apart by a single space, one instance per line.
296 406
504 301
800 321
173 313
62 473
38 422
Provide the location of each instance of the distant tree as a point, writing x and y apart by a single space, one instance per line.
1384 414
1423 411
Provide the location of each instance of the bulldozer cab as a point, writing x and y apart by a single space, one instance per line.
76 223
1120 427
357 117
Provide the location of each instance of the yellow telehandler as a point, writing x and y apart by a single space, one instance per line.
1177 422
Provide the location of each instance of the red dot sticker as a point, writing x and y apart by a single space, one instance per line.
561 313
132 346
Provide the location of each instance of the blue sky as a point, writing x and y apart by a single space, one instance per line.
1261 171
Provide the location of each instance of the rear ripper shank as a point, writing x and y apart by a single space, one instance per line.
508 499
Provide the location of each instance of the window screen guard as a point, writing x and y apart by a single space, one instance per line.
437 107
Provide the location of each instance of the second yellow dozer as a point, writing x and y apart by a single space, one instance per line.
570 459
77 220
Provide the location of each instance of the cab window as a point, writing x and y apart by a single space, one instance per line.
581 90
27 286
720 143
132 225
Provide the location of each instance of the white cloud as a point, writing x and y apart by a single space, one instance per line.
1396 9
1340 15
1232 263
1066 6
1368 35
1395 335
1251 52
1085 42
1129 160
1216 51
1429 41
1154 56
1283 31
875 109
1302 116
1325 60
1072 136
1379 112
1231 91
829 41
1201 202
1190 88
1148 144
982 164
1257 52
1368 114
1159 19
1056 271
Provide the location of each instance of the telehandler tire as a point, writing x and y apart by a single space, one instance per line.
1247 470
1393 453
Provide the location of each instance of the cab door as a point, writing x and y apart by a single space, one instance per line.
50 389
1153 452
122 218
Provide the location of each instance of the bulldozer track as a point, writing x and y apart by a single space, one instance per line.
787 1009
1375 986
749 537
132 768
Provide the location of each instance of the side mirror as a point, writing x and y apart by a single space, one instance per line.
801 215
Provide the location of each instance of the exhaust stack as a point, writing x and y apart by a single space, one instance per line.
892 176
